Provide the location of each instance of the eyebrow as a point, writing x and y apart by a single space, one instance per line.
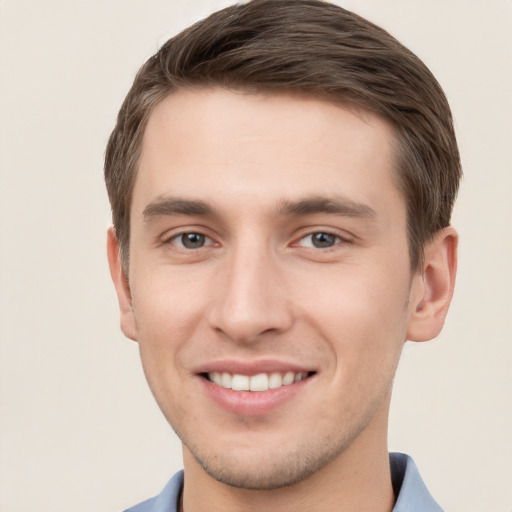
163 206
168 206
332 205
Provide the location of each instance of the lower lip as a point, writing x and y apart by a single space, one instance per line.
252 403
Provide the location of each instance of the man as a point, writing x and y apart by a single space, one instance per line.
282 176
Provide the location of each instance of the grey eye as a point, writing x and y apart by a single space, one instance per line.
323 240
320 240
191 240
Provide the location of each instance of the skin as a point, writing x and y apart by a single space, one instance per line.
259 290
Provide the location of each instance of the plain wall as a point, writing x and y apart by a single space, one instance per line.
79 429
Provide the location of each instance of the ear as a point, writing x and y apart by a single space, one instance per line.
122 286
433 287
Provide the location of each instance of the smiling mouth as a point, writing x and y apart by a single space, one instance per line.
258 382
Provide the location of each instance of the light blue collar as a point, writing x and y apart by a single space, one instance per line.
413 496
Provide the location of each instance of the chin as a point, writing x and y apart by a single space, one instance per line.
271 470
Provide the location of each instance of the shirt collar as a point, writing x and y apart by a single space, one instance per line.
412 494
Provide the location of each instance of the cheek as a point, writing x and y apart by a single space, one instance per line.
363 316
165 303
165 321
167 310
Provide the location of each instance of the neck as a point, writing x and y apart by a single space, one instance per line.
358 480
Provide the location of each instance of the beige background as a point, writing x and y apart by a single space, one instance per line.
78 428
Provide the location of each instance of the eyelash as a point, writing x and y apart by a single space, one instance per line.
180 236
336 239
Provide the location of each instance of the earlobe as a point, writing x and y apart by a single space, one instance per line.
121 284
435 287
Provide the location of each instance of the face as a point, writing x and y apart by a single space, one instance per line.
270 287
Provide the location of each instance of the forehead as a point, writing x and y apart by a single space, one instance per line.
217 142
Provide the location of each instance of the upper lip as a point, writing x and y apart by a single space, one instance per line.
251 367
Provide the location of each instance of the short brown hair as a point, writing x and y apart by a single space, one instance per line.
314 47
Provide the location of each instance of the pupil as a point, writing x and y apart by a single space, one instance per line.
192 240
322 240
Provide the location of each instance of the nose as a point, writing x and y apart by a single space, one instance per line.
250 299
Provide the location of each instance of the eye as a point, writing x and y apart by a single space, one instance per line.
191 240
319 240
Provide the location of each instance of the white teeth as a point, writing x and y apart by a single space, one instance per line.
240 383
226 380
275 380
216 377
259 382
288 378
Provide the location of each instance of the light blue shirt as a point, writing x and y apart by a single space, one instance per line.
412 494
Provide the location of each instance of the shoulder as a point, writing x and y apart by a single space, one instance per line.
166 501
